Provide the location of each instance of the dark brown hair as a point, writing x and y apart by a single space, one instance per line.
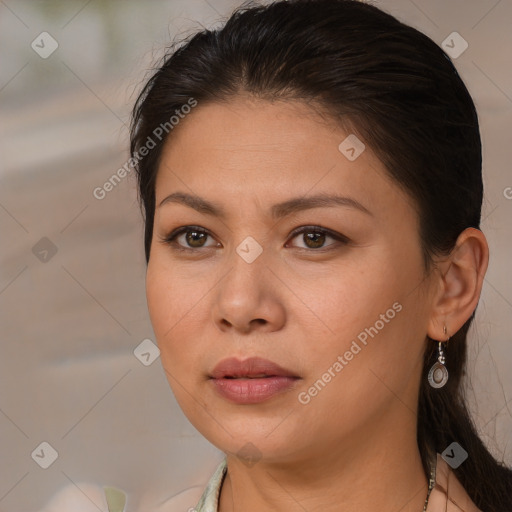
400 93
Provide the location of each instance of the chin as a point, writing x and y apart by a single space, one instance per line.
254 438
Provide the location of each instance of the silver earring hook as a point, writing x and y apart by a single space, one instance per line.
438 374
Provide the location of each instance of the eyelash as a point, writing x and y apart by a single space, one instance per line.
170 239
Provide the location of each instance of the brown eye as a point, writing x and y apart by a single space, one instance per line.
314 240
315 237
191 238
195 238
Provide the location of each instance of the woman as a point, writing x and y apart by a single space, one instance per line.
310 176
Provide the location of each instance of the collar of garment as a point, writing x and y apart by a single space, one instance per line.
447 495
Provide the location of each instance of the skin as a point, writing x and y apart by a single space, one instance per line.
354 444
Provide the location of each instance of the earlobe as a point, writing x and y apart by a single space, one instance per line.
461 278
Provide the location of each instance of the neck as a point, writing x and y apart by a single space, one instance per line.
386 474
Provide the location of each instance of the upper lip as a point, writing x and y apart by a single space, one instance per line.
253 366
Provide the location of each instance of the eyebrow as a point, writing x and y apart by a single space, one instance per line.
277 211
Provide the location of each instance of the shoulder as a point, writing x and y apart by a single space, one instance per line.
88 497
448 494
91 498
83 497
198 499
185 501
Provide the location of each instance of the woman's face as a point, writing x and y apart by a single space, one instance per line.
345 312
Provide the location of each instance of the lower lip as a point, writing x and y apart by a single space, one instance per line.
252 391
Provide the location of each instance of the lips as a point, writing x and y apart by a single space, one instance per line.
251 381
252 368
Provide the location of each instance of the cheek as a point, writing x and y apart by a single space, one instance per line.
159 299
375 317
171 292
353 297
179 298
173 304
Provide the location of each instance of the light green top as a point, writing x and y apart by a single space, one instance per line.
209 501
116 499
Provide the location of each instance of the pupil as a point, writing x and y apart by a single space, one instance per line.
191 238
314 239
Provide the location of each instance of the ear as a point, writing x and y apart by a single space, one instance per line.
460 281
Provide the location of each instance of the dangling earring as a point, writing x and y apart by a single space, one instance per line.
438 374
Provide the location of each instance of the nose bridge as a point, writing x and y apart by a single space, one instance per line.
244 293
248 265
250 237
249 250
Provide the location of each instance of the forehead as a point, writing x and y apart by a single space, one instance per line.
245 127
255 148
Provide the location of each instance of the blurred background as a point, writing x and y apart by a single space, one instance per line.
73 373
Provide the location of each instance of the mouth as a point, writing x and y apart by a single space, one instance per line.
251 381
251 368
259 376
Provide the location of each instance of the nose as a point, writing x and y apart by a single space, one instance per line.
249 297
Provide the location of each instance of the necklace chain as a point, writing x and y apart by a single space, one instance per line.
431 483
